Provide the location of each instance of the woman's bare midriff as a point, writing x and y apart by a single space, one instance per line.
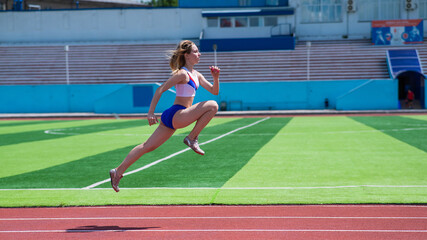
184 101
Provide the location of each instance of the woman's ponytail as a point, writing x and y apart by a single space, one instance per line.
177 58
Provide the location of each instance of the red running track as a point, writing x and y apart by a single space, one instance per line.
216 222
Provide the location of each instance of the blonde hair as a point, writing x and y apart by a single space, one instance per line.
177 58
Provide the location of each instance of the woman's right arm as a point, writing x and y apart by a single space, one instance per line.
172 81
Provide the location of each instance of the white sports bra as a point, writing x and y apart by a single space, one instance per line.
188 89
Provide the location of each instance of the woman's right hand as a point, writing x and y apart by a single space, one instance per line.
215 71
152 119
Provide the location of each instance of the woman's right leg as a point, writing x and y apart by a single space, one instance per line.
160 135
201 113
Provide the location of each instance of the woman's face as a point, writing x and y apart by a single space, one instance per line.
194 56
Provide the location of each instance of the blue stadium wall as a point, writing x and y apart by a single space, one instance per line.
135 98
248 44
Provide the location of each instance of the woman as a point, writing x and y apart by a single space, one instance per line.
186 81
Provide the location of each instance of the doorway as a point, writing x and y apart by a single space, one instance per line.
414 81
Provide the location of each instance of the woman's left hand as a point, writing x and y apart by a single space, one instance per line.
152 119
215 71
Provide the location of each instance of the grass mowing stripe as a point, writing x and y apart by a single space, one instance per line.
49 125
221 161
39 135
79 172
25 198
360 158
391 124
66 175
32 156
22 123
79 197
419 117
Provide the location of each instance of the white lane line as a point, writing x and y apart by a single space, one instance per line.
218 230
217 217
224 188
177 153
62 132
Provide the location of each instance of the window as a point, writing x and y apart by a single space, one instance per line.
313 11
244 2
369 10
254 22
241 22
270 21
422 9
212 22
225 22
272 2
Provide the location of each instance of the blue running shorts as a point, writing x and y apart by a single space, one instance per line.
168 114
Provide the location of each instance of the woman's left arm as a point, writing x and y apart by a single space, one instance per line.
214 89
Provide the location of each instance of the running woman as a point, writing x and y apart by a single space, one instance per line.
186 81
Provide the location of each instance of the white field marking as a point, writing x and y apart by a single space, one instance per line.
280 188
170 90
177 153
385 205
216 230
61 132
223 188
216 217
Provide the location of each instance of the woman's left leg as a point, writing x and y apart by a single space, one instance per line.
159 136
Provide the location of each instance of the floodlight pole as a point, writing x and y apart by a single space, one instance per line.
66 48
214 48
308 60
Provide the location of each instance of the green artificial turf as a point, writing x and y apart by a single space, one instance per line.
335 155
300 160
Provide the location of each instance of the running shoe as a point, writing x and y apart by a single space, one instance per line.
193 144
115 179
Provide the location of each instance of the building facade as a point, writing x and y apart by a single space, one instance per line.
220 19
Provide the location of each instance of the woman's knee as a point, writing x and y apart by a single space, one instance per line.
213 106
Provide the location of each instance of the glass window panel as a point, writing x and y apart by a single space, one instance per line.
369 10
225 22
270 21
244 2
212 22
241 22
422 9
272 2
254 22
322 10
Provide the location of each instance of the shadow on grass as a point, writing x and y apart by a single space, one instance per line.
408 130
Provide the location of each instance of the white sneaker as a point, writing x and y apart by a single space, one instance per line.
193 144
